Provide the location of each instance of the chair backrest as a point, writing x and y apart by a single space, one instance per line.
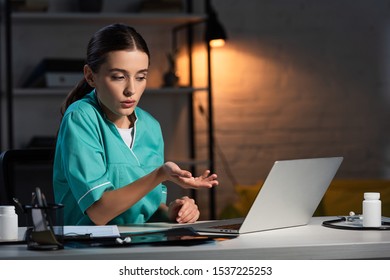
21 171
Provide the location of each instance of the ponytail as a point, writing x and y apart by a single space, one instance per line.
78 92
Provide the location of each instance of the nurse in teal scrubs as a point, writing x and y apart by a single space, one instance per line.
109 162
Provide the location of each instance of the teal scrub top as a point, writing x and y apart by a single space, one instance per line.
91 158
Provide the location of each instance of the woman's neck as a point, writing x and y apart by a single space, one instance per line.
123 123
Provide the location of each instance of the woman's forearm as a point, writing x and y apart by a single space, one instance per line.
113 203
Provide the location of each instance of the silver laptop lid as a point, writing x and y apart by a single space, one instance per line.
291 193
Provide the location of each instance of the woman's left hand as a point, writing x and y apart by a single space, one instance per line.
183 210
185 179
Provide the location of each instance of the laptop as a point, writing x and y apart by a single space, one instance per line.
289 196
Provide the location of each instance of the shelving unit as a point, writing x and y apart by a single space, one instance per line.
20 92
140 18
168 20
44 103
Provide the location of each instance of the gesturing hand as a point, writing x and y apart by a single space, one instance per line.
185 179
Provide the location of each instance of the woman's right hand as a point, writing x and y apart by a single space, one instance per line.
185 179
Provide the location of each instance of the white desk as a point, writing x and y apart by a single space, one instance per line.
306 242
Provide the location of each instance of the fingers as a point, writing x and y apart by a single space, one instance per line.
174 170
187 210
203 181
185 179
205 174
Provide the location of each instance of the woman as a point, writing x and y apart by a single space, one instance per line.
109 162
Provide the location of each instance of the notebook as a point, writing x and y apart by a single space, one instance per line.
289 196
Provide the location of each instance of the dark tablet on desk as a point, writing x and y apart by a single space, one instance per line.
183 236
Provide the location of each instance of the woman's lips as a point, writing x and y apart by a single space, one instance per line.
128 103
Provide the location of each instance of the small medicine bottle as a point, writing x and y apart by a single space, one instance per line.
372 210
8 223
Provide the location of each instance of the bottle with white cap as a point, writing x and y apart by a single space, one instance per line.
8 223
372 210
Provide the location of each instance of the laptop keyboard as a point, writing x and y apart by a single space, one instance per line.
231 226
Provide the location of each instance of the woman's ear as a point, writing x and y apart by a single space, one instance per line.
88 75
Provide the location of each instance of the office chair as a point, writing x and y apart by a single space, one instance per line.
21 171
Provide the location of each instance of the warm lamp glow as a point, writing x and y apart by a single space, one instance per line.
215 32
217 43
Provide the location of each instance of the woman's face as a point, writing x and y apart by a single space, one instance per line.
120 83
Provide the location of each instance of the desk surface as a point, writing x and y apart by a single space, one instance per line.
313 241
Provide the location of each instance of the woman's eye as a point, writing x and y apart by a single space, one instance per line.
141 78
118 78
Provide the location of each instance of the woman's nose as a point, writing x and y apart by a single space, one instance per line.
129 90
128 93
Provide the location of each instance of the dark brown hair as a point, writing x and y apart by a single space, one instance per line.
113 37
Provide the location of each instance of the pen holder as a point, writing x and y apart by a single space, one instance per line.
45 227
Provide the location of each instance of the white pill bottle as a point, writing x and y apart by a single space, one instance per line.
372 210
8 223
